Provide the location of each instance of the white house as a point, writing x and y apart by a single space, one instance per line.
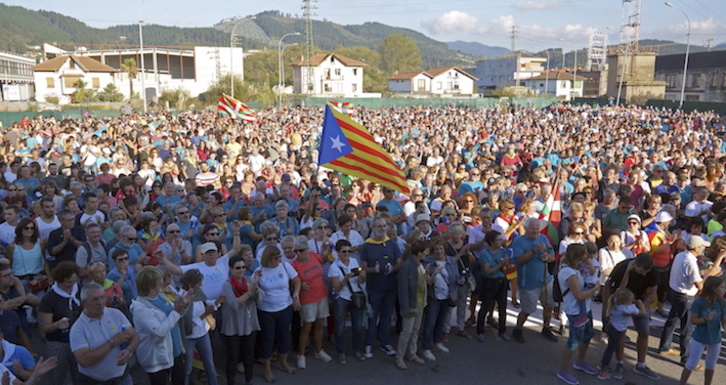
410 83
59 77
332 75
507 70
16 79
557 83
437 81
451 80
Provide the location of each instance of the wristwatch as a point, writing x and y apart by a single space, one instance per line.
113 344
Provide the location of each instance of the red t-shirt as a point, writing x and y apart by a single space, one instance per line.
312 274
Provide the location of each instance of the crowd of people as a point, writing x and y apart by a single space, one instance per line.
134 239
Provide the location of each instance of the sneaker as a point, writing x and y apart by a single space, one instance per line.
517 336
547 333
428 355
360 356
341 359
388 349
415 358
503 337
568 378
618 372
401 365
480 337
440 347
670 352
301 362
241 368
322 356
585 367
603 375
646 372
369 352
698 367
581 321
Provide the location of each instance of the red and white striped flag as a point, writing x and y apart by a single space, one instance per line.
236 109
345 107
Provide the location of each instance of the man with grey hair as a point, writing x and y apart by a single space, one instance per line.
533 252
381 260
184 220
127 241
92 251
65 241
102 340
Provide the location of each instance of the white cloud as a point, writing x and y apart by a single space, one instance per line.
452 22
537 5
698 27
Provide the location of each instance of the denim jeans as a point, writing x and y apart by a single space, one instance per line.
342 308
204 346
680 311
275 331
492 289
437 312
379 325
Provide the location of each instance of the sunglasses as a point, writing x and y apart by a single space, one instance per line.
299 250
240 267
579 233
131 239
213 234
271 239
122 259
173 231
344 252
182 212
29 228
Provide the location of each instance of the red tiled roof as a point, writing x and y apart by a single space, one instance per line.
87 64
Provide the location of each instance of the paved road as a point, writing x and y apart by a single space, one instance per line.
470 362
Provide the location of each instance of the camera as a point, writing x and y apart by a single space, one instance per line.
356 270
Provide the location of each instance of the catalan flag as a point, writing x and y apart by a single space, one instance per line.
236 109
346 146
344 107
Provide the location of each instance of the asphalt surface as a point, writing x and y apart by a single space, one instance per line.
470 362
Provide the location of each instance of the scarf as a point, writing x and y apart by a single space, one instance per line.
8 350
239 287
70 297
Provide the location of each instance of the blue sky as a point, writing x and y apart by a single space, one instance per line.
541 23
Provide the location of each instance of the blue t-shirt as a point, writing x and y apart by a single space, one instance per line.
531 275
492 259
710 332
23 356
394 208
470 187
384 253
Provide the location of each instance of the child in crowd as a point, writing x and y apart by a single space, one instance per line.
590 270
621 306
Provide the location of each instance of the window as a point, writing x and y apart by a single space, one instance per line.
438 85
421 84
327 74
71 81
355 71
95 83
564 85
692 98
354 87
327 88
671 79
72 64
50 82
715 80
456 86
337 72
696 80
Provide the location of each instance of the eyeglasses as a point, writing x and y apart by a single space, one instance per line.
21 189
122 259
297 251
172 231
29 228
322 227
632 222
182 212
219 215
13 189
239 267
271 239
417 195
468 201
475 174
345 252
212 234
579 233
131 238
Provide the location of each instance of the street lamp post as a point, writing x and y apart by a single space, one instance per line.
547 72
280 80
141 51
685 60
574 65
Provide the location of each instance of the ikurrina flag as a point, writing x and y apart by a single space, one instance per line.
236 109
346 146
344 107
552 215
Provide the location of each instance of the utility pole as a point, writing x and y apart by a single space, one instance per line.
307 78
708 44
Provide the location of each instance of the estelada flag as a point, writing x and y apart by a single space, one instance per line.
346 146
344 107
236 109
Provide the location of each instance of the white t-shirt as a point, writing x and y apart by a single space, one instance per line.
684 273
620 315
275 285
336 272
7 233
98 217
214 276
354 238
45 228
569 302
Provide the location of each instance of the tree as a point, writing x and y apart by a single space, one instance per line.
129 66
179 98
82 95
110 94
399 53
260 92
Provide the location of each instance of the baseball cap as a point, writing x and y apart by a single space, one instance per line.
695 241
209 246
663 216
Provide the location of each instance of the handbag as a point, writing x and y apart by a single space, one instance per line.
39 283
358 297
470 279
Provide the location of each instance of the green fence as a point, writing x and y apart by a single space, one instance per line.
8 118
688 106
378 103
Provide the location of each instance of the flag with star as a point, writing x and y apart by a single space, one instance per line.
236 109
346 146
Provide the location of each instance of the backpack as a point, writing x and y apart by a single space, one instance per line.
557 294
87 246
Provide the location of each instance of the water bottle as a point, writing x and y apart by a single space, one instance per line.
65 333
123 345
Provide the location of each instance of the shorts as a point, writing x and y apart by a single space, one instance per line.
641 324
581 335
314 311
528 298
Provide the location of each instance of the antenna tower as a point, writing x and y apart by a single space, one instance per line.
308 13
